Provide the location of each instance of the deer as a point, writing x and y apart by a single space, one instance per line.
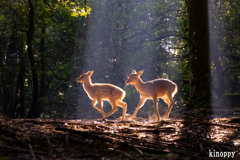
100 92
158 88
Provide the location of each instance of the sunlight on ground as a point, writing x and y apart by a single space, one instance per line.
169 131
188 134
222 134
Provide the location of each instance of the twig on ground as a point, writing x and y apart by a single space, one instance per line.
32 153
67 135
50 145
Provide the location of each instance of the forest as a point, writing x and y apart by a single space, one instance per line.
45 45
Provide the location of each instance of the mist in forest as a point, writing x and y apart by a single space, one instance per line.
131 35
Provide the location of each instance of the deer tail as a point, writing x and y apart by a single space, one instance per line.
123 95
175 91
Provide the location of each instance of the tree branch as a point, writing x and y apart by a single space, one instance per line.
146 39
14 27
53 71
94 62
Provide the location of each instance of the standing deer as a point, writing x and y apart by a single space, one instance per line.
103 91
158 88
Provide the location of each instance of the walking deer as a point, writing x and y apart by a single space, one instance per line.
103 91
158 88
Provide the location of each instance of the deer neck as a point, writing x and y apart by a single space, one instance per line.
87 85
139 85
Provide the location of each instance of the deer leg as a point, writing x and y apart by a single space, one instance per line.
155 102
169 101
100 103
114 108
124 106
140 104
94 102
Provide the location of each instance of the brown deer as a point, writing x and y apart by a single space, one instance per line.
158 88
103 91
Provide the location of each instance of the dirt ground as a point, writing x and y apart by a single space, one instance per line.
183 138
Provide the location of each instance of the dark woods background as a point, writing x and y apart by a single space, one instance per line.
44 47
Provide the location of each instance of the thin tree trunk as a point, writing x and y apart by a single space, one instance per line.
220 88
218 85
20 84
43 74
2 76
33 107
10 74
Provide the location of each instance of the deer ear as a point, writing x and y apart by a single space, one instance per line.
140 73
134 72
90 73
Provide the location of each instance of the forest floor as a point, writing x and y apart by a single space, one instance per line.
182 138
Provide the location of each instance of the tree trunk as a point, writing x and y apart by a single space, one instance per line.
218 82
20 83
199 71
10 74
2 76
220 88
43 74
33 107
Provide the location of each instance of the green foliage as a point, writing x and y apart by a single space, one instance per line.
112 38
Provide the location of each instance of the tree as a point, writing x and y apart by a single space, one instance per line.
199 57
10 73
30 32
48 40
